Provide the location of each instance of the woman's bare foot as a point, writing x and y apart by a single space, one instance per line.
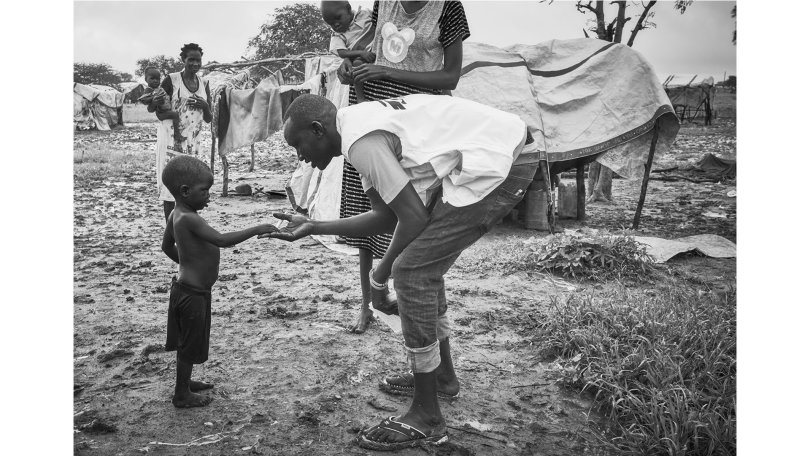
190 400
195 386
363 320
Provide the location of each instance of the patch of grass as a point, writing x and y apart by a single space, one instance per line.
589 255
97 161
137 113
663 368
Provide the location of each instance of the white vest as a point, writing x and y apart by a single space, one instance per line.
470 146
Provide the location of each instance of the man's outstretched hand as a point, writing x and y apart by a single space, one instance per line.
299 226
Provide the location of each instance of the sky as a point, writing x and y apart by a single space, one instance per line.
120 33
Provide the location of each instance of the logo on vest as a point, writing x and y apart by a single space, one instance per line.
395 103
396 42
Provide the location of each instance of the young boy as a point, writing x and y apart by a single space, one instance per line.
192 243
351 35
163 109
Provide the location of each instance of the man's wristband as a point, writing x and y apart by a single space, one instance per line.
374 284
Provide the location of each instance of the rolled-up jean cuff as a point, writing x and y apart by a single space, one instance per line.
424 359
443 327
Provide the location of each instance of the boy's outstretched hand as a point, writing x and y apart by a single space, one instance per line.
299 226
266 229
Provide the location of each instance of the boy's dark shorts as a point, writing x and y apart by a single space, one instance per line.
189 327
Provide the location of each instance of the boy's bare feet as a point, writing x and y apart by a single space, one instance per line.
195 386
190 400
363 320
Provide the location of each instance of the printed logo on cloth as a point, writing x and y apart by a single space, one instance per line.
397 104
396 42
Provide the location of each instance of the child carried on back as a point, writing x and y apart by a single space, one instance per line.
351 35
159 101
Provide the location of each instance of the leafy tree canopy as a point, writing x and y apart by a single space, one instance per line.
95 73
165 64
293 29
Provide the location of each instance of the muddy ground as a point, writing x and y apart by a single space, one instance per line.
290 379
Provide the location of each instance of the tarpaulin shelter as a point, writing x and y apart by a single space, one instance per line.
584 100
96 106
691 95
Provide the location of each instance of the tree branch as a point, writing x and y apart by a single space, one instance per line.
581 6
640 23
611 28
621 19
303 56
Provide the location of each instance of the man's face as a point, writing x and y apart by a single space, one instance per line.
153 79
312 144
339 18
198 196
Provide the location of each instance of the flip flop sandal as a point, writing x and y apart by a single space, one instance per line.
416 438
407 390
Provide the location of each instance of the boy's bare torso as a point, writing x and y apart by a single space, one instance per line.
199 259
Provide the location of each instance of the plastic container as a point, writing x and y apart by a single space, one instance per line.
567 203
536 210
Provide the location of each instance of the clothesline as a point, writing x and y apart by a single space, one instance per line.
240 64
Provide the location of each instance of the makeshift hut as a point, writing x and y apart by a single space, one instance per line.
96 106
692 95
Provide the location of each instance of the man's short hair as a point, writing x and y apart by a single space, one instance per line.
334 5
151 68
183 170
308 107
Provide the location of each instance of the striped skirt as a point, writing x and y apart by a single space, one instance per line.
353 200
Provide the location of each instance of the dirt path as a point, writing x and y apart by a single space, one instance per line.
289 378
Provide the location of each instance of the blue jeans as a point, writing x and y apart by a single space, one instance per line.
419 271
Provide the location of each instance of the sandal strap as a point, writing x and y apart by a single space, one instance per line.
392 424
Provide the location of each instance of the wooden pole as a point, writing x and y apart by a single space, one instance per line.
546 172
252 158
646 179
213 149
581 191
224 174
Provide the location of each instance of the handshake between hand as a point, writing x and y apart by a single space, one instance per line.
299 226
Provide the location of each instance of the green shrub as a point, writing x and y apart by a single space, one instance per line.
590 256
663 369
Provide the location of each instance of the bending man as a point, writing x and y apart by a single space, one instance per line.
439 172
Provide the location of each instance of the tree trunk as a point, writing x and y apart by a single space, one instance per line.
601 32
620 21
